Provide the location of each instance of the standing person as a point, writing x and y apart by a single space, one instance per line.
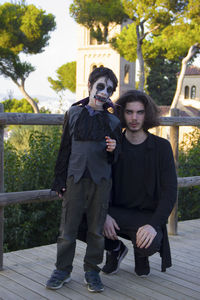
89 145
144 188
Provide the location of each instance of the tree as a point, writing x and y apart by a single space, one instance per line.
19 134
161 80
21 106
189 165
192 51
32 168
23 29
66 78
94 13
156 26
15 105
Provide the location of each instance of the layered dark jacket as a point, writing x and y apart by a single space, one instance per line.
83 146
160 184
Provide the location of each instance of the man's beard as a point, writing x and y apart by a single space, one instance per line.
136 129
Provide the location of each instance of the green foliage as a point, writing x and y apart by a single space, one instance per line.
91 13
171 41
125 41
21 106
166 28
23 29
12 67
15 105
161 80
189 165
32 225
66 78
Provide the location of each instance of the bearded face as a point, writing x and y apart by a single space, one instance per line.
101 91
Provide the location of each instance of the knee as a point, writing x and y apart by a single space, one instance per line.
152 249
65 238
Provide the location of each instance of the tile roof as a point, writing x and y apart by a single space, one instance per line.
189 111
191 70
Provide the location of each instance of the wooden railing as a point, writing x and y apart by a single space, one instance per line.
46 195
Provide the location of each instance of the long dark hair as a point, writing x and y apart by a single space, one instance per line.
151 109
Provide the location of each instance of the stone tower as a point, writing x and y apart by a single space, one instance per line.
91 54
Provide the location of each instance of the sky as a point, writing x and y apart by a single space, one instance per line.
61 49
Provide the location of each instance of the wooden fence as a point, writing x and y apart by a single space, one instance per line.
45 195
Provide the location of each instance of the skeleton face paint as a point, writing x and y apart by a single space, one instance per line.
100 92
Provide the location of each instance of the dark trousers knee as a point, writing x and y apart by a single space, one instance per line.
153 248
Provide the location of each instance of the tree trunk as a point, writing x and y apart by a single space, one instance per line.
141 60
29 99
26 95
192 51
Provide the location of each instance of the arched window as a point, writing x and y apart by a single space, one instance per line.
92 40
126 74
101 66
186 92
93 67
193 92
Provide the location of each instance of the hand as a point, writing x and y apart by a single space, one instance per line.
109 228
60 194
111 144
145 236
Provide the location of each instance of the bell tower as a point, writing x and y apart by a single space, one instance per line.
91 54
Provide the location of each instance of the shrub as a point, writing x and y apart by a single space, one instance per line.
30 225
189 165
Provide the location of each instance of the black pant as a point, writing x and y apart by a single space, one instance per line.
131 235
84 196
129 221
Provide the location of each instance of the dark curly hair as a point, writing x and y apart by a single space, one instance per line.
103 72
151 109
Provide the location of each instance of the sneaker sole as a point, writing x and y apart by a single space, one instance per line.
119 262
142 276
59 286
92 291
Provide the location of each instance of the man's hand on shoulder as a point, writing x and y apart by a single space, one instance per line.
110 227
145 236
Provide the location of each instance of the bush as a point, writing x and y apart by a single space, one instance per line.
189 165
30 225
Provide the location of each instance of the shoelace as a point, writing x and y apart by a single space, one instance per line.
58 275
94 279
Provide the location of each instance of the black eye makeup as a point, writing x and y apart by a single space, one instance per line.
110 90
101 87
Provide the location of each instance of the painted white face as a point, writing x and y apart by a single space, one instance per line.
101 91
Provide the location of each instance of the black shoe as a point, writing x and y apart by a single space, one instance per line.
142 267
113 259
57 279
93 281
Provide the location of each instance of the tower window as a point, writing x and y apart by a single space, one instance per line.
186 92
93 67
126 74
193 92
92 40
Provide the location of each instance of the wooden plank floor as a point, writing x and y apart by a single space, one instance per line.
26 272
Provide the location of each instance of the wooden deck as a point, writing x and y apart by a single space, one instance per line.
26 272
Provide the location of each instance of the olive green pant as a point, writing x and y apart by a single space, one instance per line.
92 199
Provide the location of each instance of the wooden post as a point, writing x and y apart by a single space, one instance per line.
1 188
174 139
